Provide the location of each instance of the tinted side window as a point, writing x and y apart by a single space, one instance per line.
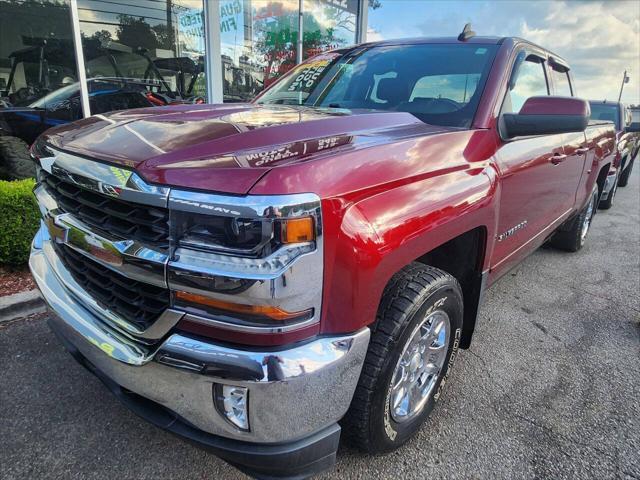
530 81
561 83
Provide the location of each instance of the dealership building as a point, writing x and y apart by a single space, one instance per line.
191 50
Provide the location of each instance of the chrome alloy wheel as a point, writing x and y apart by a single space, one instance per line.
587 220
419 366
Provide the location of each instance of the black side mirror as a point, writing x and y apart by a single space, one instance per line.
547 115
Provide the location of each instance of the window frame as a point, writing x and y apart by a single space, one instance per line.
525 52
562 70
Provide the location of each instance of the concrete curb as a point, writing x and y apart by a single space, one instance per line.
20 304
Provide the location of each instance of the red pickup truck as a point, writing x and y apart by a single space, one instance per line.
259 277
627 146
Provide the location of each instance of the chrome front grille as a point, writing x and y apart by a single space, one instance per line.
140 303
108 234
148 225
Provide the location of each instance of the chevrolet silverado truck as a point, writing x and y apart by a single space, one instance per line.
627 144
258 278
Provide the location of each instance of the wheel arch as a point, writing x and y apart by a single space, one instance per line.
602 178
623 161
463 258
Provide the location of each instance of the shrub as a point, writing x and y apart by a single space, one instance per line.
19 220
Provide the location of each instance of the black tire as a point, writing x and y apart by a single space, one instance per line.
608 203
569 237
626 173
413 293
15 160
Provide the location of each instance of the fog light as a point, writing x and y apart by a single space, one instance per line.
233 403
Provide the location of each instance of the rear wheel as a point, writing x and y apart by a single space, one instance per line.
573 236
15 160
412 349
626 173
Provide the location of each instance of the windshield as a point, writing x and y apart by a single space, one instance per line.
440 84
119 64
57 96
129 66
607 112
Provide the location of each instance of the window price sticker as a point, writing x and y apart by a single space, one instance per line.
309 73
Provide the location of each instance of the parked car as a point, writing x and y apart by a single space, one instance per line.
634 127
627 144
259 277
20 126
635 116
48 95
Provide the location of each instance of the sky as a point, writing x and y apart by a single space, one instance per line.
599 39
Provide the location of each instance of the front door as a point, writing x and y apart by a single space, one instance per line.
535 173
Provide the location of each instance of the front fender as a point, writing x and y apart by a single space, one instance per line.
377 236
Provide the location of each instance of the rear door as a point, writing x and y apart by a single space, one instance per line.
533 187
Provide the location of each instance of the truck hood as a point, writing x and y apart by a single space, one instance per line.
226 148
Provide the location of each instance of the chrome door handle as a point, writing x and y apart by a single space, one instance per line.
582 150
558 158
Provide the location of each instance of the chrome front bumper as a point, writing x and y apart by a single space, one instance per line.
311 389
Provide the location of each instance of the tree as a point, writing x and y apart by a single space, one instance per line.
136 32
103 36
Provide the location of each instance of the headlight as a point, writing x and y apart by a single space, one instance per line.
243 237
253 227
239 236
233 258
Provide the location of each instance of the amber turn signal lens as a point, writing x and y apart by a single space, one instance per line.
298 230
268 311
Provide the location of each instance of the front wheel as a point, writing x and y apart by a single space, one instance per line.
572 237
412 349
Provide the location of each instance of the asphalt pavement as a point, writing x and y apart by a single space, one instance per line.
549 389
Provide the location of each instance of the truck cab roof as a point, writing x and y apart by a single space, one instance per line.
477 40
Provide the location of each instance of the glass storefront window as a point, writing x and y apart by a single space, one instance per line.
328 24
38 75
258 44
259 39
149 52
36 50
155 49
